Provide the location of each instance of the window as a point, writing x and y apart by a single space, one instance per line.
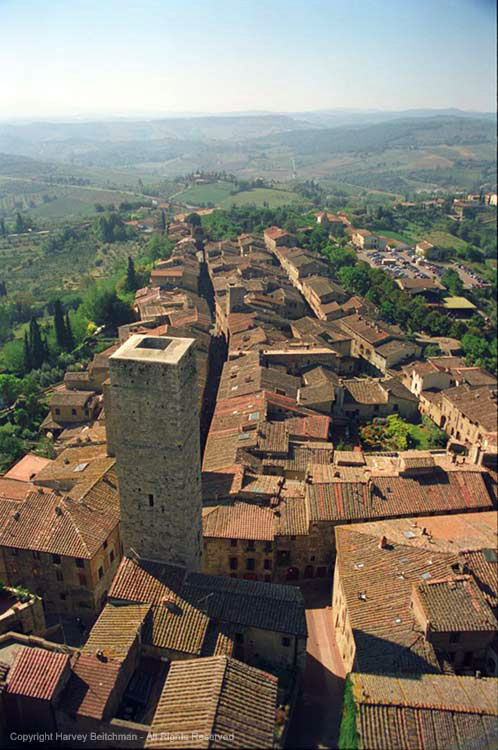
63 597
454 637
58 575
101 572
80 563
250 563
250 544
105 544
56 559
151 501
36 554
82 579
233 563
267 564
233 542
57 411
286 641
268 547
111 556
14 552
239 638
73 412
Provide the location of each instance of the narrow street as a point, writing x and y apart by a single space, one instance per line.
316 721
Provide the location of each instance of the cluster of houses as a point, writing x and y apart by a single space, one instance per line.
281 503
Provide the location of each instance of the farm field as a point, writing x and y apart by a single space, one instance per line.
28 270
213 192
270 197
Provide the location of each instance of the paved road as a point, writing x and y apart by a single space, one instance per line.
317 718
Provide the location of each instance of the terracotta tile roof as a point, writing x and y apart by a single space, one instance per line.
145 581
366 391
216 696
332 497
90 687
477 404
374 332
36 673
71 398
116 630
262 484
228 600
301 455
316 427
292 488
219 640
239 521
377 585
49 522
349 458
455 603
75 465
14 489
329 473
177 625
461 534
222 482
438 491
483 566
27 467
275 233
273 437
292 517
436 711
339 501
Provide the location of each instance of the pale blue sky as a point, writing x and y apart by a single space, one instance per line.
73 57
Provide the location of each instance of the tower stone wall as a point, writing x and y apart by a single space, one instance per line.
152 422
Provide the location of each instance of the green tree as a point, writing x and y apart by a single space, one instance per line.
3 228
452 282
20 224
69 334
131 283
10 388
37 345
60 325
162 222
104 307
194 220
27 361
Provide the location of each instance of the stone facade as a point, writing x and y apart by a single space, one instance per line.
21 616
73 586
153 430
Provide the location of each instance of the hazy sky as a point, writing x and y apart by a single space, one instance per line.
71 57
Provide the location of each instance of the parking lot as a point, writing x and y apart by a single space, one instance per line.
405 264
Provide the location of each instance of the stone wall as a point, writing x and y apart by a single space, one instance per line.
153 430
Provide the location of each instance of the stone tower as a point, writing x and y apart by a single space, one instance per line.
152 422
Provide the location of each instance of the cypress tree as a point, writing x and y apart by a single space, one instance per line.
36 345
162 224
59 325
131 284
69 334
27 354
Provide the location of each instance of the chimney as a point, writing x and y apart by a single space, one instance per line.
383 543
58 510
